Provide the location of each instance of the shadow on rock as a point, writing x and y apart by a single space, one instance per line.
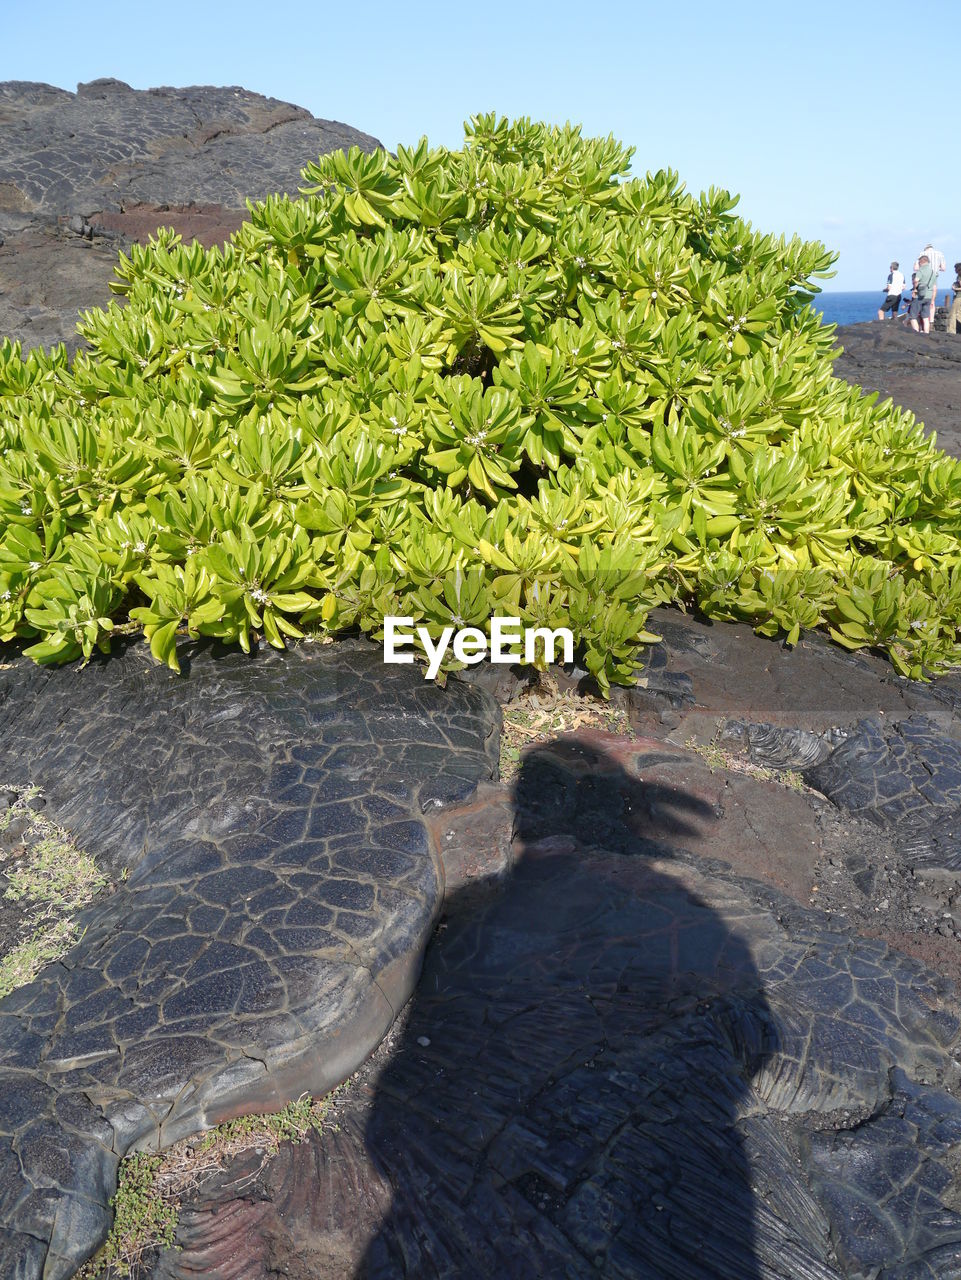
565 1096
592 1031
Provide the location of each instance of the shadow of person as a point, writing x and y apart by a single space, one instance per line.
569 1091
566 1096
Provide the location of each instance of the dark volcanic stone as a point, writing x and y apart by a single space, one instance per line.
907 778
920 372
82 175
225 973
619 1065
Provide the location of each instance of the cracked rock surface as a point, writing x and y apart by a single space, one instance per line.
83 174
280 890
627 1060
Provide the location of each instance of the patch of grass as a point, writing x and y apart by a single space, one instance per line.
24 961
143 1219
151 1186
293 1123
718 757
543 712
51 879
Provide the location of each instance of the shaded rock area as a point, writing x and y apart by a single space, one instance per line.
920 372
280 890
623 1059
83 175
668 1024
683 1013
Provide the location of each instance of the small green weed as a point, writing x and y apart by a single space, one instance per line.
143 1219
51 880
717 757
151 1186
293 1123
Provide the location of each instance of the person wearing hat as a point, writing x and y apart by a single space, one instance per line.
892 300
925 283
937 263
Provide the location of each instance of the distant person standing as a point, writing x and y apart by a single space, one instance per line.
892 301
925 283
954 315
937 263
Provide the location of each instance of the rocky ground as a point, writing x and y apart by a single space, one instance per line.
921 372
689 1005
764 848
83 175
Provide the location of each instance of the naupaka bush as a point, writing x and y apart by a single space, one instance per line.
509 379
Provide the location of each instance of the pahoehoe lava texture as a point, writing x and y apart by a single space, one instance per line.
82 175
906 777
109 146
280 890
623 1065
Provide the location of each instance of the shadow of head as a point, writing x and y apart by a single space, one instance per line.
584 790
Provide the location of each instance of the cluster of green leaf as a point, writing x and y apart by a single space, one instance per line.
509 379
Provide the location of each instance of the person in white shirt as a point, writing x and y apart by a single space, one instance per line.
937 263
892 301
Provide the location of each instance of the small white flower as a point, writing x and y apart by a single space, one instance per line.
140 548
34 565
259 595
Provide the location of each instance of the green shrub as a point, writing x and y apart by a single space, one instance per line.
508 379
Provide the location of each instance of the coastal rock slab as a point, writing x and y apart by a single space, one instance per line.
280 888
625 1061
920 372
83 175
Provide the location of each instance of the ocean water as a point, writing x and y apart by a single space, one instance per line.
849 308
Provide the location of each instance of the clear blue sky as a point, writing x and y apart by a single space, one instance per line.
830 119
